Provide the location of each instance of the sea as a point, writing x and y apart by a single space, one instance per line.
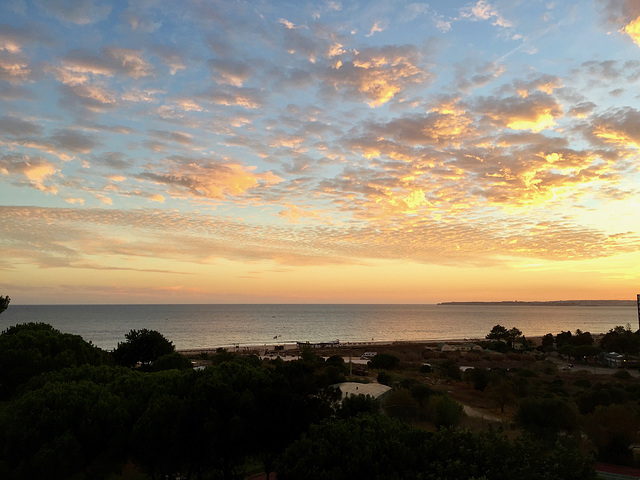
211 326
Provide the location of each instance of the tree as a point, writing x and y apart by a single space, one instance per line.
502 391
547 341
142 346
4 303
384 361
61 430
29 349
514 333
445 411
563 338
613 429
367 446
547 417
622 340
498 332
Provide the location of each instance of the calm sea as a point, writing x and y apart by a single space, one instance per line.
204 326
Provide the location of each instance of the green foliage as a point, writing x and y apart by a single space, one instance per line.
498 332
377 448
600 394
372 447
478 376
171 361
4 303
622 375
497 346
563 338
502 391
546 417
354 405
421 393
449 369
142 346
335 360
502 334
399 403
384 378
30 349
622 340
61 429
384 361
613 429
547 340
444 411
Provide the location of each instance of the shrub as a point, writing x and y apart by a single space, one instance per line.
384 361
445 411
622 375
384 378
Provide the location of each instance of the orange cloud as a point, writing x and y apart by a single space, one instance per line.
211 180
633 30
379 74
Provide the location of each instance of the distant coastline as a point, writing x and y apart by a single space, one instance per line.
554 303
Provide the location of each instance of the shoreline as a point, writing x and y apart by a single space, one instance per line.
289 346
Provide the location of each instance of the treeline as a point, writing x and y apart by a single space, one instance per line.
70 410
577 345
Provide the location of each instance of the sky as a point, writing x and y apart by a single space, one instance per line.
208 151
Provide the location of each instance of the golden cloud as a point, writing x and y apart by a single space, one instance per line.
633 30
212 180
379 74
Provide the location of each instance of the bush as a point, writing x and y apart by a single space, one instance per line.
450 370
582 383
445 411
384 361
546 417
171 361
401 404
384 378
622 375
426 368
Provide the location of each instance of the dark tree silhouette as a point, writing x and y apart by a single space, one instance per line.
4 302
142 346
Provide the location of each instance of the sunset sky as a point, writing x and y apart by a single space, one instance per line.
204 151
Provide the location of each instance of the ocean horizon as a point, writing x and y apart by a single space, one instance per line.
195 326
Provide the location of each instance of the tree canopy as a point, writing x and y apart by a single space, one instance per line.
142 346
4 303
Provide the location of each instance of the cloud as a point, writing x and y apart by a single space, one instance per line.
536 112
378 74
93 98
37 170
178 137
375 28
15 93
241 97
619 128
13 39
74 141
211 180
112 61
230 72
171 57
469 78
483 10
14 67
16 127
80 12
67 237
623 15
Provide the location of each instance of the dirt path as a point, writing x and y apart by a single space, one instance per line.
474 412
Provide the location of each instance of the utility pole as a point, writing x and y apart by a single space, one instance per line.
638 301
